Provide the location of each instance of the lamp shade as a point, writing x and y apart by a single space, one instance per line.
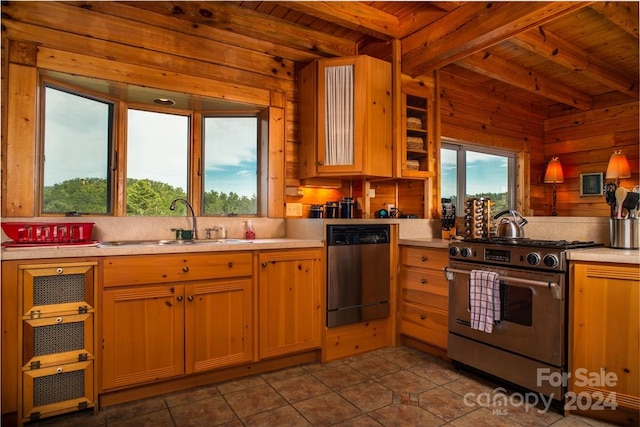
554 172
618 166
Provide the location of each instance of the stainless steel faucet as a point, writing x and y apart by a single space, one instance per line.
194 230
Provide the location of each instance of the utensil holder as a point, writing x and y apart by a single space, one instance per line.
623 233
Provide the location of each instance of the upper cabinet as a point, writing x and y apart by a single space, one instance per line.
345 118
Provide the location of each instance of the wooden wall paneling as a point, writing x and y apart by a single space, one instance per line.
411 198
20 149
91 66
137 55
274 147
234 18
152 38
385 194
173 22
584 141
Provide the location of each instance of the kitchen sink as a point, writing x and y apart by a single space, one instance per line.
117 243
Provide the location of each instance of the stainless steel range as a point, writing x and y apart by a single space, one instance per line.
528 344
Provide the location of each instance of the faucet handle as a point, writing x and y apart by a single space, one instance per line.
223 231
178 232
208 231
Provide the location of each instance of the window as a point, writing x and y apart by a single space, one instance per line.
477 172
188 147
77 137
230 165
157 154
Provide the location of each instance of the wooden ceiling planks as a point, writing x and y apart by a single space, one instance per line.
581 53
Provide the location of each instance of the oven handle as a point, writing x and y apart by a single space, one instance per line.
556 291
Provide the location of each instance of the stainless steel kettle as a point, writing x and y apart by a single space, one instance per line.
511 228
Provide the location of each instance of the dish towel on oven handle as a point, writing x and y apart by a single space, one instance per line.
484 297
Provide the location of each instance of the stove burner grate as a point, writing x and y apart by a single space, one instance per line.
525 242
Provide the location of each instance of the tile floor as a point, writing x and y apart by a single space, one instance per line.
389 387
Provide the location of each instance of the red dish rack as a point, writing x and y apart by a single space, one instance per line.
47 233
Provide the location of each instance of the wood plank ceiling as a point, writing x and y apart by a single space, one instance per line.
557 55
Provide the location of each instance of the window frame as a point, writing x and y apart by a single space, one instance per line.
461 149
117 157
111 144
201 158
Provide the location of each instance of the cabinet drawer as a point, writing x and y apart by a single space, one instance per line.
58 389
55 340
435 259
51 290
426 324
426 286
135 270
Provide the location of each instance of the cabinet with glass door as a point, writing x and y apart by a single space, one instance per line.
345 118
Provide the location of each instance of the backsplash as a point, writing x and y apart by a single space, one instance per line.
155 228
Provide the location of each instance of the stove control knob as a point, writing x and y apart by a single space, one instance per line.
454 251
551 260
533 258
465 252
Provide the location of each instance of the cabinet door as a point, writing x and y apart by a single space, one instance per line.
49 289
218 324
289 302
606 326
345 118
143 334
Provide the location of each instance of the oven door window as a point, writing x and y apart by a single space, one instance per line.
516 304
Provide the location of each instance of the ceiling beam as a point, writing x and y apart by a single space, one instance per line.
622 14
500 69
354 15
568 55
472 27
240 20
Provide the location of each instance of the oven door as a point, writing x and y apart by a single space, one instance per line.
532 313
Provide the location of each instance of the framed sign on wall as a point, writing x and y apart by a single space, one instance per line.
591 184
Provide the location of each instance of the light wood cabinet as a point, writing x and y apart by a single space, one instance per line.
56 341
424 294
185 314
290 301
605 326
417 134
348 136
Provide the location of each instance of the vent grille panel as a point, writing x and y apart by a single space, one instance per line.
58 388
52 339
48 290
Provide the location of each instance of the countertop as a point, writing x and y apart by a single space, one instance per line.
201 246
605 254
427 242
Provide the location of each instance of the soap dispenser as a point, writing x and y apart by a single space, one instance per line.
249 234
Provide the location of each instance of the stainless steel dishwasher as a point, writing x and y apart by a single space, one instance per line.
358 273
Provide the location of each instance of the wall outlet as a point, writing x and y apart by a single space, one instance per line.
293 209
390 207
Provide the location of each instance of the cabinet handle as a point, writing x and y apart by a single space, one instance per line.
424 258
190 297
59 270
422 317
264 264
185 269
320 163
230 265
423 281
58 319
59 371
179 297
